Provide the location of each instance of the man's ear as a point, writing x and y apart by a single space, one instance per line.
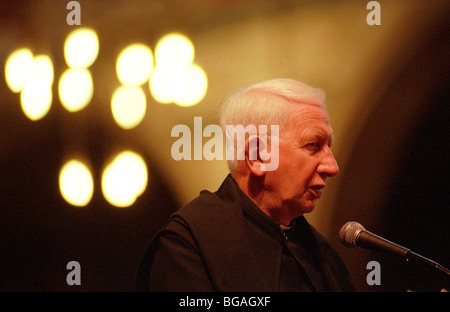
252 159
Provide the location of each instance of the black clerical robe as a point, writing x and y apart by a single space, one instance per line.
223 242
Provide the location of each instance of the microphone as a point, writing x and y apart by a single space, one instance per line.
353 234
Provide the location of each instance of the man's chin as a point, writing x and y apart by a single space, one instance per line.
301 206
308 207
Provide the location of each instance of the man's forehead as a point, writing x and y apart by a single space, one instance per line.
309 122
305 115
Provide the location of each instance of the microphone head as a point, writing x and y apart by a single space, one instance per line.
349 232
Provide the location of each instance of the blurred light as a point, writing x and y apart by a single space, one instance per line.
17 64
176 79
174 48
75 89
81 48
128 105
134 64
191 86
124 179
182 85
76 183
36 101
161 83
41 71
36 95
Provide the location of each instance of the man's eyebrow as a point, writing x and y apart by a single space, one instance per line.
316 135
323 136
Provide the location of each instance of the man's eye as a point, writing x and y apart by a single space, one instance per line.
312 145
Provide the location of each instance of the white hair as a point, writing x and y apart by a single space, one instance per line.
267 103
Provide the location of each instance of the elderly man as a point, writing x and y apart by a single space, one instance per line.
251 235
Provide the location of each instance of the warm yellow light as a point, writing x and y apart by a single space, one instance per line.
124 179
76 183
128 106
134 64
36 101
183 85
16 67
81 48
191 86
36 95
75 89
174 48
41 71
161 83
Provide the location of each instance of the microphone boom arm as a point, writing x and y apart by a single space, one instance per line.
366 239
414 257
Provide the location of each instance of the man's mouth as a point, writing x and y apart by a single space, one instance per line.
316 190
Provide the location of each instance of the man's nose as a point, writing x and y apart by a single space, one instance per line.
328 165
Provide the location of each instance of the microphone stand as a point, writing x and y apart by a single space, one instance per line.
411 256
372 241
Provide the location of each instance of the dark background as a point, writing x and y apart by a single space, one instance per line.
393 150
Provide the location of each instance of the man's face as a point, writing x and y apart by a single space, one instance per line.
305 160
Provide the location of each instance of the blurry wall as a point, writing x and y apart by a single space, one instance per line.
383 86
